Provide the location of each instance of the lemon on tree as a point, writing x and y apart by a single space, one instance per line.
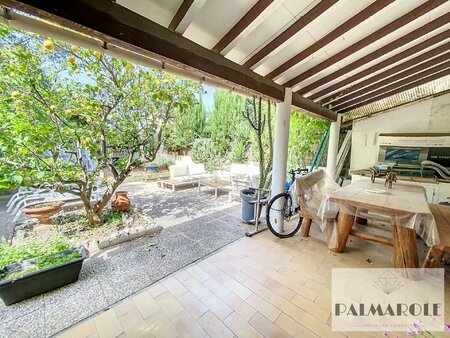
48 45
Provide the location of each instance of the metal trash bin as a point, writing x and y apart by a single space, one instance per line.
249 197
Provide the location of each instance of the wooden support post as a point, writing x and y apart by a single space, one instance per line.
405 245
344 225
306 226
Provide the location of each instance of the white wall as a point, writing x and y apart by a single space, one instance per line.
429 115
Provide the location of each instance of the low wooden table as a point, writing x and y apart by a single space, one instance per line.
214 183
406 206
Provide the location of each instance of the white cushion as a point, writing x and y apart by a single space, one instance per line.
196 168
178 170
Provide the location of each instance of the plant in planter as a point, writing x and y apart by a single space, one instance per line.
43 211
34 267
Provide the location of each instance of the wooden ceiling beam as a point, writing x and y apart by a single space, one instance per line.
418 79
242 24
383 64
407 75
179 15
345 27
375 36
293 29
385 78
117 25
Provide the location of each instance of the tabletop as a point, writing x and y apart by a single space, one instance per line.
405 198
408 203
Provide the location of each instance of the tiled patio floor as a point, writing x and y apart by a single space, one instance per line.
255 287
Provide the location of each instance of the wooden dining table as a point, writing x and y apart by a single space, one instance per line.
405 205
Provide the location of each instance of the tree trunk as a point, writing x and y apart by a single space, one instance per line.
92 216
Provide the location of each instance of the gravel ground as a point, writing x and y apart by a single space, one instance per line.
195 226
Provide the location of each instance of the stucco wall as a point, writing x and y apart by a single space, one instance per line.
429 115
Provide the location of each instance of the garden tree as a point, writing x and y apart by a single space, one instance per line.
260 121
304 135
64 108
186 126
224 118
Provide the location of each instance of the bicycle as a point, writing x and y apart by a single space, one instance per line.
285 205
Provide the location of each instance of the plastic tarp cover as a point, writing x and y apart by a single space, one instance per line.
403 205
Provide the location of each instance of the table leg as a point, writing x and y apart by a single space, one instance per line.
434 258
344 225
405 245
305 227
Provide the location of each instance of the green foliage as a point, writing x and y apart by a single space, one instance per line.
224 119
112 218
304 136
187 125
31 248
57 103
204 152
162 161
238 152
259 118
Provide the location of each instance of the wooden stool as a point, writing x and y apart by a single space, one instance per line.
435 254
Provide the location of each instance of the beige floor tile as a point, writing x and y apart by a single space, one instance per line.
124 307
84 329
174 286
258 288
239 289
198 273
145 303
156 289
240 327
187 326
312 308
286 306
231 271
192 305
279 289
268 310
160 326
216 306
214 272
108 325
196 288
217 288
213 326
169 304
317 326
294 328
241 307
266 327
182 275
134 325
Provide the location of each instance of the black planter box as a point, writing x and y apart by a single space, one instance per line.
37 282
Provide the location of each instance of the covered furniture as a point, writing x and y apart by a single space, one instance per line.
441 214
310 190
406 207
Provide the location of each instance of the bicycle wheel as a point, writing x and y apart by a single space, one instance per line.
281 207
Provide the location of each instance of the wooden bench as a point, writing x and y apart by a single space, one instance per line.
435 254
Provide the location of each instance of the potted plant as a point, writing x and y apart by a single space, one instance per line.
47 270
43 210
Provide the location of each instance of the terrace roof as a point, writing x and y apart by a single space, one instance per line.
358 57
